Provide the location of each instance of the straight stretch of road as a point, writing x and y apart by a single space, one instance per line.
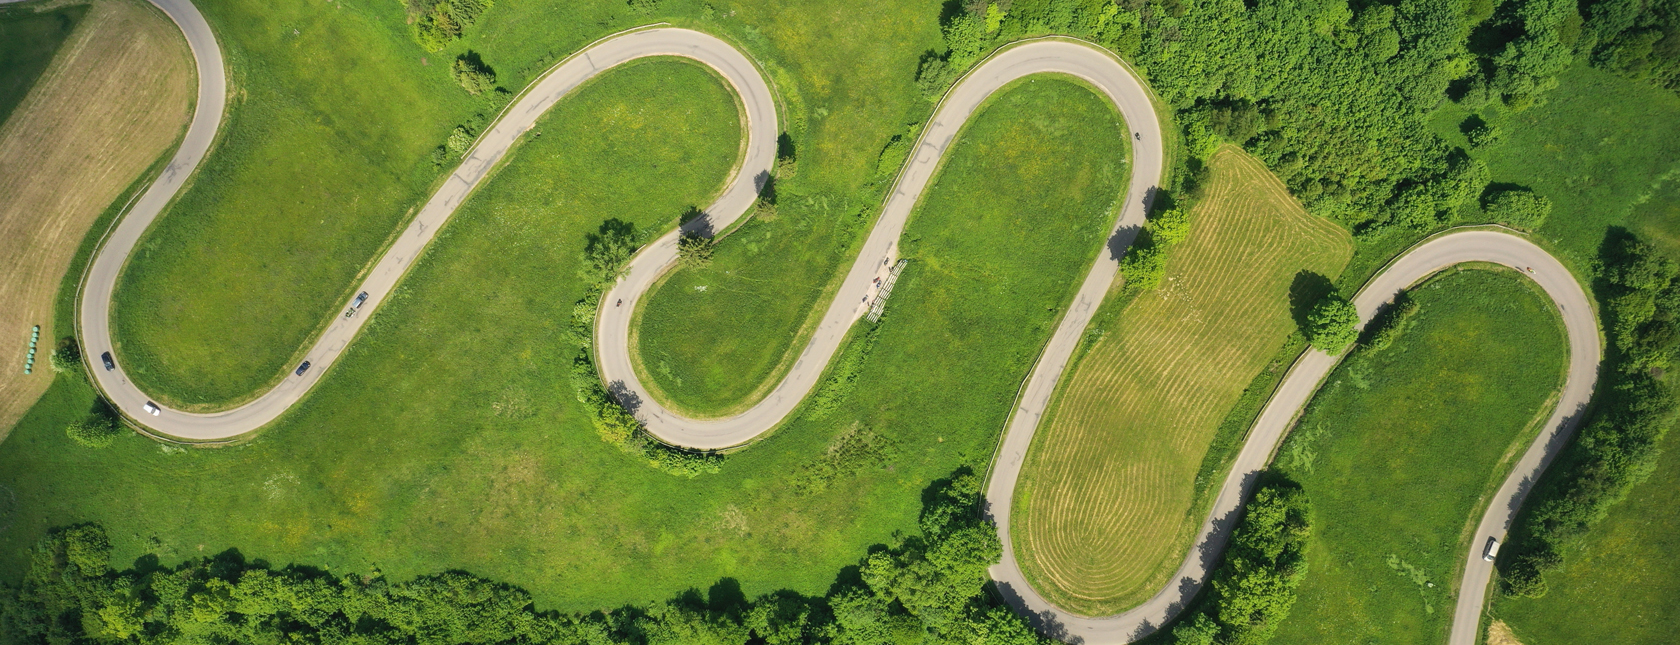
1091 64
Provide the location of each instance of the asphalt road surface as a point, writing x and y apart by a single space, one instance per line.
1052 56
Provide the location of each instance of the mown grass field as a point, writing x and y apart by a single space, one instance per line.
322 162
1401 449
28 41
1621 584
111 106
476 456
703 337
1106 510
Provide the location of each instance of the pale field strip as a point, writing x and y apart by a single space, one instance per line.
1112 474
116 97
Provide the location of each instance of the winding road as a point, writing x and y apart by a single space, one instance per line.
1095 66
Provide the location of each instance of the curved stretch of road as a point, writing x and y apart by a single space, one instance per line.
1093 65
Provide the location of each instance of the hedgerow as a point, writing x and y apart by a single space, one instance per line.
923 588
1618 447
604 258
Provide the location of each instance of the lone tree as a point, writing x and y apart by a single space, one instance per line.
68 356
605 252
1333 324
1518 208
473 75
694 250
94 431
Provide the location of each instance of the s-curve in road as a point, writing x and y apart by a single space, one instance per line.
735 68
1275 419
1089 63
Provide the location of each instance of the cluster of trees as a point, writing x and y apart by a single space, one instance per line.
1254 589
604 256
1638 38
1618 447
1332 324
1145 263
1334 99
1517 208
928 588
437 23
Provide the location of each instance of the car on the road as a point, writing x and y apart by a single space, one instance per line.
109 364
302 368
1492 551
356 304
151 408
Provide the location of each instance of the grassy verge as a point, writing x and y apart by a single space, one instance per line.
1108 485
1401 449
28 41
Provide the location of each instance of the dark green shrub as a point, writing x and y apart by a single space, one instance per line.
94 430
1518 209
694 251
473 75
1332 324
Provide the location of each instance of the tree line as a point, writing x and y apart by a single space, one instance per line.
927 588
1617 448
932 588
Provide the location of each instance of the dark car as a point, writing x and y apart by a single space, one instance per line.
302 368
109 364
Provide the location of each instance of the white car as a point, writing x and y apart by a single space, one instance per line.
1491 553
151 408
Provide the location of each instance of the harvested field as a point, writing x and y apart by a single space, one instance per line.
1108 491
115 98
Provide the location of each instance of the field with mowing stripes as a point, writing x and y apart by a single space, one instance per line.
1106 506
110 104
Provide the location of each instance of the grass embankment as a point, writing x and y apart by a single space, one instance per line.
29 38
1106 507
99 116
1401 449
474 455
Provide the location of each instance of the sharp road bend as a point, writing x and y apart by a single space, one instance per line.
1095 66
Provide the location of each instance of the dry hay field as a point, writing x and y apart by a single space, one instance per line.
1106 498
114 99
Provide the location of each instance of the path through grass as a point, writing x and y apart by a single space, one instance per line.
1105 510
1401 449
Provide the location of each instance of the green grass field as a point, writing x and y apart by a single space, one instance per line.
475 455
1603 148
1401 449
1621 584
28 40
1109 483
